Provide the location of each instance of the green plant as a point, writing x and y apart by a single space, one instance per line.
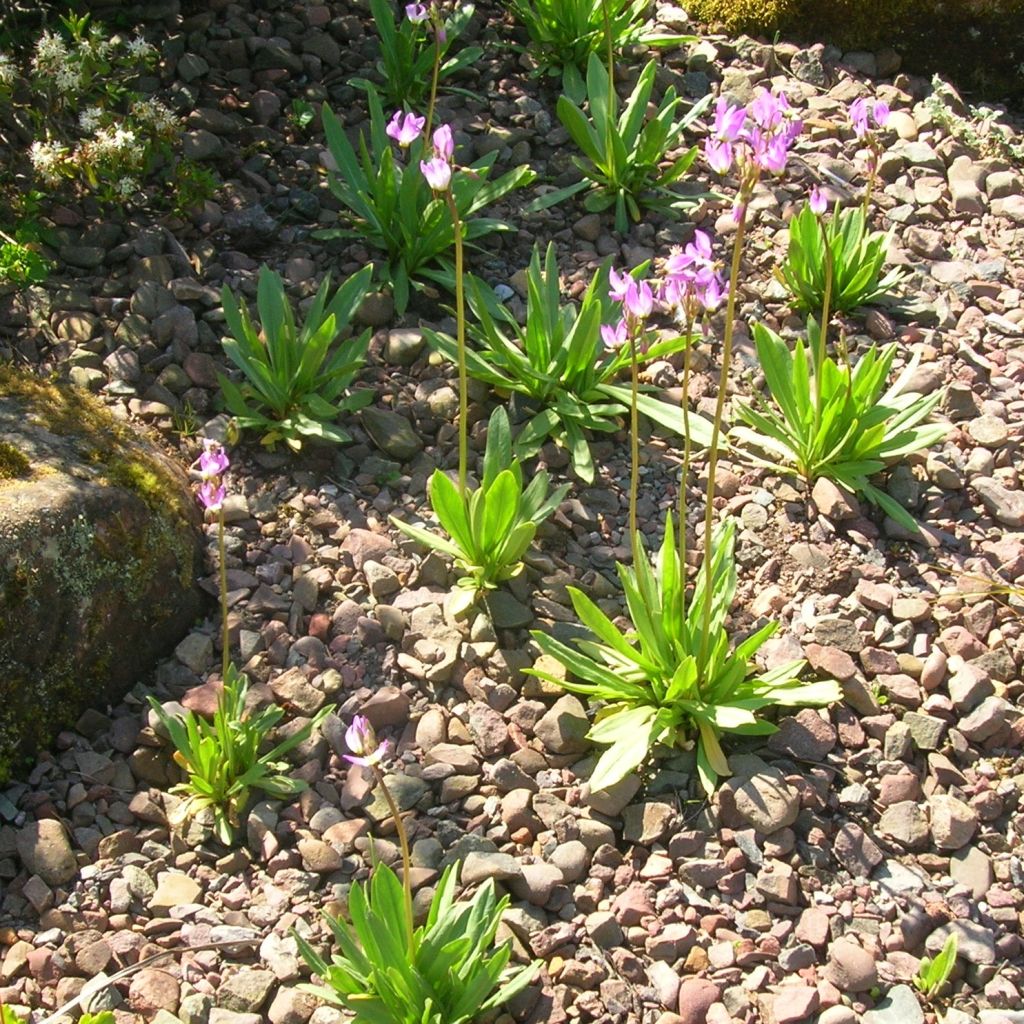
933 975
844 427
858 256
21 265
447 971
561 363
190 186
223 759
392 208
672 680
983 129
391 972
624 153
408 51
564 33
93 128
294 386
301 114
490 527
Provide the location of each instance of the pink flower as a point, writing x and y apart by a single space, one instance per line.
405 129
713 294
618 285
728 120
639 300
212 495
718 154
614 335
438 173
416 12
859 118
444 143
770 152
362 741
213 462
768 110
817 201
880 113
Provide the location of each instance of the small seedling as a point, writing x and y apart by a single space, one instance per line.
932 975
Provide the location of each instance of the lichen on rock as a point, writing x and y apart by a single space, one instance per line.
99 552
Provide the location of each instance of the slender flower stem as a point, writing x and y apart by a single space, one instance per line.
438 22
460 320
634 443
716 428
221 554
403 840
685 471
821 347
872 176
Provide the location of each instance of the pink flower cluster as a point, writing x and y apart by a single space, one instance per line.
861 117
757 136
637 300
405 129
692 282
213 464
438 169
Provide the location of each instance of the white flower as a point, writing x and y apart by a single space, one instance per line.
139 48
68 79
99 45
124 138
51 53
90 119
46 158
153 113
8 70
127 187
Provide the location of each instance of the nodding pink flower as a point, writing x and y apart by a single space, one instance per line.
618 285
691 280
817 201
770 152
639 300
212 495
444 143
880 113
416 12
766 109
859 117
438 173
718 154
728 120
713 294
405 129
362 741
614 335
214 461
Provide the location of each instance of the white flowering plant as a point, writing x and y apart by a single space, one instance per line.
93 128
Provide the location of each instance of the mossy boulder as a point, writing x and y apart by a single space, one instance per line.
100 547
979 43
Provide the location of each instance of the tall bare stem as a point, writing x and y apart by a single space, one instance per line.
460 321
821 347
716 428
222 557
687 447
437 21
634 444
